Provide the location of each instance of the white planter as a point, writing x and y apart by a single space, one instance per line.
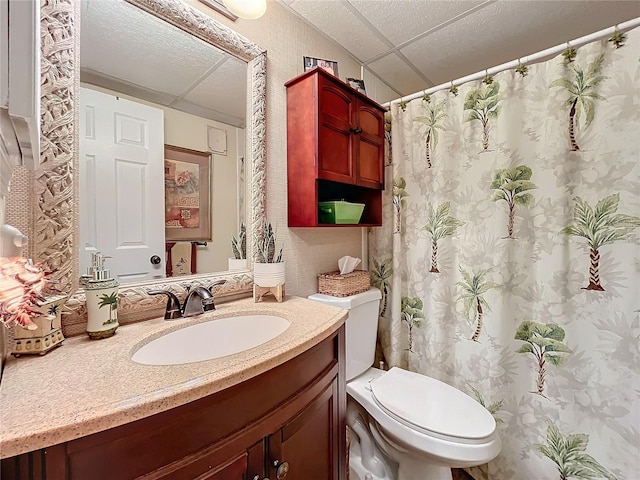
268 274
237 264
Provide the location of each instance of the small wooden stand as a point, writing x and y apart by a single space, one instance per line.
260 292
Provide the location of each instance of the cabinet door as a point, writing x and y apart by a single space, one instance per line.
236 469
369 143
335 140
309 442
255 462
204 465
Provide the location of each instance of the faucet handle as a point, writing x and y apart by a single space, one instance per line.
173 310
216 283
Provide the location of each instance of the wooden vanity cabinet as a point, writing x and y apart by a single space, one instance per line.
294 413
335 148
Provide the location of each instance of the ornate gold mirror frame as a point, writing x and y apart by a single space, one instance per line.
55 193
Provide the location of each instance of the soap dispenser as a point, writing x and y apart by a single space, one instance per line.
101 292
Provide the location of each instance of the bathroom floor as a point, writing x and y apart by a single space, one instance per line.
459 474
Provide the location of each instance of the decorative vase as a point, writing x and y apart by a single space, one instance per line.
268 279
102 307
237 264
269 274
48 334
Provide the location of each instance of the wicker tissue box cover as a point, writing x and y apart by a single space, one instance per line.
336 285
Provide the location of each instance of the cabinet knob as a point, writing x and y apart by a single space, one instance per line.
257 477
356 129
282 468
155 260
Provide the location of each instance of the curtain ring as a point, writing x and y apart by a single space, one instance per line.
487 79
569 54
522 68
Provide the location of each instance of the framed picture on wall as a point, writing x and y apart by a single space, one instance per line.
187 194
357 83
328 65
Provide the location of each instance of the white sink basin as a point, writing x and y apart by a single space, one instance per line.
209 340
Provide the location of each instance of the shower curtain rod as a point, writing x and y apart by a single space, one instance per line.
536 57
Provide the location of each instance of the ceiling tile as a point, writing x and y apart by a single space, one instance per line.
135 91
337 21
124 41
397 74
202 112
402 20
214 95
505 31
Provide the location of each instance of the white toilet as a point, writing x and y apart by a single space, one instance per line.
405 426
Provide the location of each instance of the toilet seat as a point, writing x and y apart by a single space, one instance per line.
432 407
441 448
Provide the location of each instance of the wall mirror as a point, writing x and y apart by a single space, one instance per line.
137 72
167 55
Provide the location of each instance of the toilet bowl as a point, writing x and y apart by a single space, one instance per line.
424 425
404 425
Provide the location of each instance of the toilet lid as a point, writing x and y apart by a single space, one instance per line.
429 405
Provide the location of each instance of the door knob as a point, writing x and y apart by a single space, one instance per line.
282 468
155 260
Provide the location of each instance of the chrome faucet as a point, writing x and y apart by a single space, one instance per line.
199 300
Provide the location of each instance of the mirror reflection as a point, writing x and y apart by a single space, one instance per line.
161 145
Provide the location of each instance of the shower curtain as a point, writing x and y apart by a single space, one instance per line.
509 257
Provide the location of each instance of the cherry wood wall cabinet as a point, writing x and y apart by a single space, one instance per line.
335 148
289 421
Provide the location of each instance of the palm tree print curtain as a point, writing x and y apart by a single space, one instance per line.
509 257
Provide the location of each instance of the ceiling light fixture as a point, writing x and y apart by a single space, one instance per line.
248 9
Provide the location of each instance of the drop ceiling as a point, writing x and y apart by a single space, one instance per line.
414 44
125 49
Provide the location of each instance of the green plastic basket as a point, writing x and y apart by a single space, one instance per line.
340 212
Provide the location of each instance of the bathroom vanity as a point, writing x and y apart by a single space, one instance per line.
273 411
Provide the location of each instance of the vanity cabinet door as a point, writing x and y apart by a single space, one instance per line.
235 469
308 442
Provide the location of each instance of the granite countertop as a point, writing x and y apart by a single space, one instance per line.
87 386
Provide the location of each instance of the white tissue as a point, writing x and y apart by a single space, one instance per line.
348 264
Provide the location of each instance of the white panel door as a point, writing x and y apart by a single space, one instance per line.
122 185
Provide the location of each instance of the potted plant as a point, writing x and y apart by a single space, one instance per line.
239 247
268 269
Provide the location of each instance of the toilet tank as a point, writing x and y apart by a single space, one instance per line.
361 327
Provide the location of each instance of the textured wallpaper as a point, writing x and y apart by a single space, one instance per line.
287 39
